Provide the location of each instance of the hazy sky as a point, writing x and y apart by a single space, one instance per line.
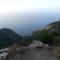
26 16
13 6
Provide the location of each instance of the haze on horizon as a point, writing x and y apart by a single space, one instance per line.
26 16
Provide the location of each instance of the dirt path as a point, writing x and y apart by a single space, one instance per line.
34 55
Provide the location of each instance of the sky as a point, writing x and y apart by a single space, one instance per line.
26 16
13 6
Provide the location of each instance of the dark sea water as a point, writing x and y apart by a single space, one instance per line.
26 23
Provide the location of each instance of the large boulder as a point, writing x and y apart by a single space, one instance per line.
3 56
36 44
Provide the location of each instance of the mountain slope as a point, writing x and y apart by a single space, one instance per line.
8 37
50 34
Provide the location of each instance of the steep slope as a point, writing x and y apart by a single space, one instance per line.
8 37
50 34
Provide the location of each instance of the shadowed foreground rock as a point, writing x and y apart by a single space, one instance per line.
36 54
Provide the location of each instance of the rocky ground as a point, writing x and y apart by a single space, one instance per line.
36 54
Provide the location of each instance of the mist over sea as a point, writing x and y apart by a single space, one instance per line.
26 23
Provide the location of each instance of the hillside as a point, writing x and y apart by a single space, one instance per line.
49 35
8 37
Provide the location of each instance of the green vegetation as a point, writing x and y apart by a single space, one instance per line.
49 35
8 37
27 40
